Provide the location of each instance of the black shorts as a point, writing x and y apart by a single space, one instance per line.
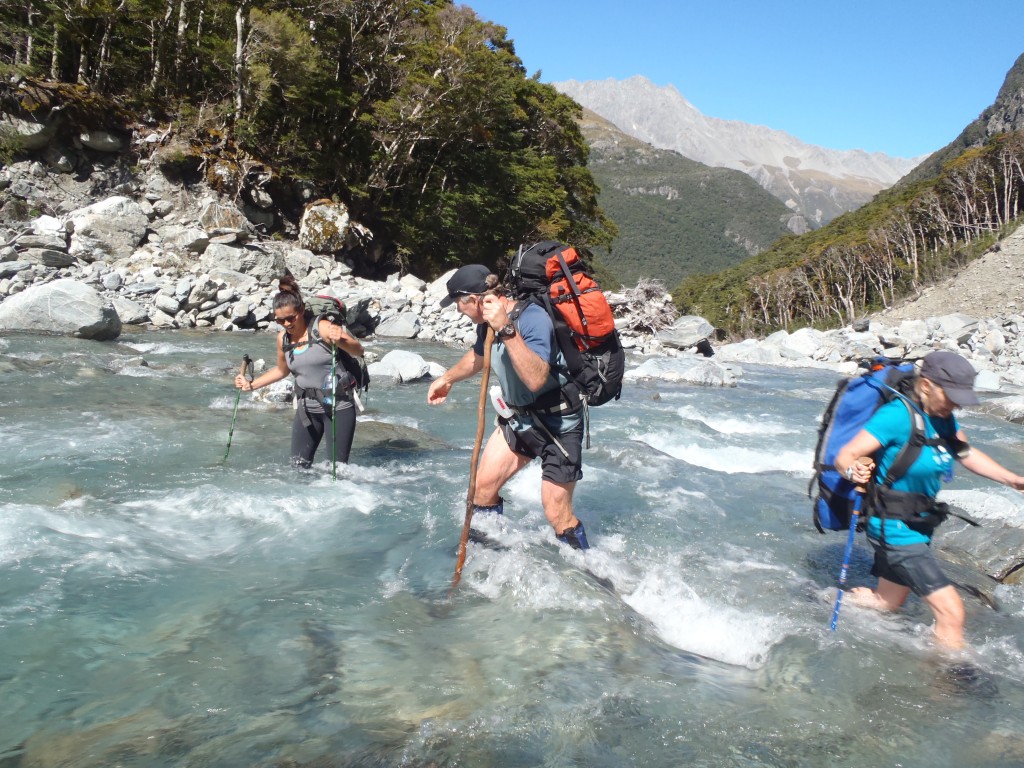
555 465
913 565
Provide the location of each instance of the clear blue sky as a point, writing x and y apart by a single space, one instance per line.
901 76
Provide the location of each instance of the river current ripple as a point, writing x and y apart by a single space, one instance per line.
164 607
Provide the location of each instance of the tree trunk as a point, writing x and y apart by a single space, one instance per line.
29 39
160 35
179 41
55 54
241 17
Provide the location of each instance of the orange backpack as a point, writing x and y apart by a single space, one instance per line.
554 276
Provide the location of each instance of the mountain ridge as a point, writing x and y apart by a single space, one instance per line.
676 216
820 183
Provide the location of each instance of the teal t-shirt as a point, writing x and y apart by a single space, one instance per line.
890 426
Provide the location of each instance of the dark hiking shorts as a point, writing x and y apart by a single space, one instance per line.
913 565
555 465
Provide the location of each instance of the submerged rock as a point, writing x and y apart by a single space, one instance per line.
692 370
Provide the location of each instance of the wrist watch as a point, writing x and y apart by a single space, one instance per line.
849 472
507 331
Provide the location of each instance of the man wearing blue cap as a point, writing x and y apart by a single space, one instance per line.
904 511
535 418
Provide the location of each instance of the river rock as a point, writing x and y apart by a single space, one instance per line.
405 325
11 268
167 303
400 366
130 312
750 351
301 262
324 226
191 239
103 141
48 257
107 230
29 134
219 218
51 241
686 368
238 282
994 547
256 263
64 306
801 343
687 331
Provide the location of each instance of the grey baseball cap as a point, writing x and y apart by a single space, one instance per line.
954 374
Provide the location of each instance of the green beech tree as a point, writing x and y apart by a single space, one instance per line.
416 113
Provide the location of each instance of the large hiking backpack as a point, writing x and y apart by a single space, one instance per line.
854 402
554 276
327 307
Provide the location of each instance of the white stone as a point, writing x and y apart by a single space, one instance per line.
63 306
107 230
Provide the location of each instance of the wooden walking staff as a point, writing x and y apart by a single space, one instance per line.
481 412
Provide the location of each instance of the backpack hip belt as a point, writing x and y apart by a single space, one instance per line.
564 405
921 513
315 393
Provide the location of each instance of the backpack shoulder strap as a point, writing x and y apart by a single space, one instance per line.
911 450
518 308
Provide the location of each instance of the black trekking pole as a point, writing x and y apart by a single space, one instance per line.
246 372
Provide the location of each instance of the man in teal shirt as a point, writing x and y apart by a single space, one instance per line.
900 528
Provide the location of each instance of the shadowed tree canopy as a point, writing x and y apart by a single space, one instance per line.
415 113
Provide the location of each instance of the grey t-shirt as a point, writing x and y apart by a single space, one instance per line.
534 325
311 365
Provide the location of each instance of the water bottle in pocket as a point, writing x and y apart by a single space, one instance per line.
330 388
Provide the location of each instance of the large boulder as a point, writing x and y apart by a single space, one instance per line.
687 331
324 227
217 217
30 134
405 325
401 366
255 262
104 141
65 307
108 230
687 370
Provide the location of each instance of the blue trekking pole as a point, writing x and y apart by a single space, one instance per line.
858 495
846 558
247 373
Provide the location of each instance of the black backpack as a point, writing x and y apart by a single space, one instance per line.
554 276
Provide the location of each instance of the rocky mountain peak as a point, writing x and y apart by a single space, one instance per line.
818 182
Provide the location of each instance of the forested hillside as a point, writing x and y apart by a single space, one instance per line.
675 216
929 225
415 113
906 238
